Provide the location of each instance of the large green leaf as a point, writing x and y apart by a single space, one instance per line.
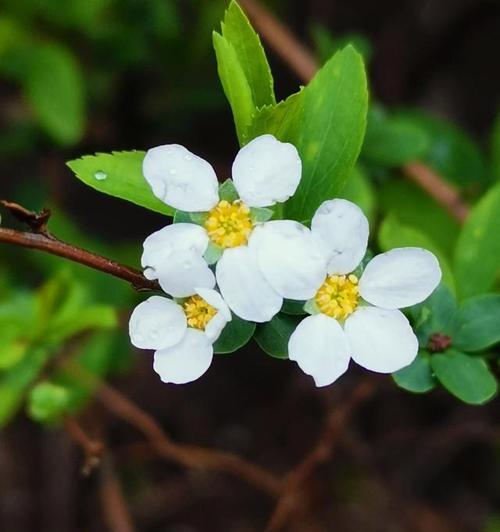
273 336
477 255
55 90
332 131
394 234
417 377
466 377
236 334
119 174
236 29
477 323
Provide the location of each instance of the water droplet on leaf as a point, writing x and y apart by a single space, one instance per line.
100 175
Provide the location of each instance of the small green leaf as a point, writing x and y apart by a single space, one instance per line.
227 191
54 88
293 307
47 402
237 30
477 323
393 234
311 307
273 336
477 254
332 131
213 253
466 377
182 217
261 214
235 335
119 174
392 140
417 377
235 85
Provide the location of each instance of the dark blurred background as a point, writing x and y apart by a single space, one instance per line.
147 75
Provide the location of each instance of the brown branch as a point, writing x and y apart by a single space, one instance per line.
444 193
289 502
92 449
302 62
40 238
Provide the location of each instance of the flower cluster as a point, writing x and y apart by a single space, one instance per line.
231 258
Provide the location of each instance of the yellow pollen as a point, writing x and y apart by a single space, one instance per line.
338 296
229 224
198 312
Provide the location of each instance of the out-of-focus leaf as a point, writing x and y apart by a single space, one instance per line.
495 150
119 174
477 254
236 334
235 85
466 377
332 131
416 209
393 140
11 351
236 29
359 190
417 377
477 323
47 402
393 234
55 90
273 336
451 152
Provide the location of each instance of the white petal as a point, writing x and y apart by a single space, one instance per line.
381 340
320 348
291 258
174 256
244 288
186 361
181 179
157 323
400 278
266 171
215 326
344 227
183 273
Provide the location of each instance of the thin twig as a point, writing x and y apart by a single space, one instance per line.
92 449
301 61
289 502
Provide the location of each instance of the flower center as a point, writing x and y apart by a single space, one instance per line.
198 312
338 296
229 224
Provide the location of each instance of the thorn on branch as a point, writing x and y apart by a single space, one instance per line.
36 221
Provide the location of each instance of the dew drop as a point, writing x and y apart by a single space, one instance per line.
100 175
188 157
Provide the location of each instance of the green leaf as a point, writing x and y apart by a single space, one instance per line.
415 208
261 214
392 140
181 217
451 152
293 307
55 90
466 377
235 85
417 377
273 336
119 174
47 402
282 120
477 254
477 323
236 334
213 253
393 234
11 352
327 44
360 190
332 131
236 29
227 191
495 150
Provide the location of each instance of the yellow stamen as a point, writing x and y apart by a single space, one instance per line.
338 296
229 224
198 312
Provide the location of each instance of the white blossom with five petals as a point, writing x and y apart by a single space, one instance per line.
265 172
353 318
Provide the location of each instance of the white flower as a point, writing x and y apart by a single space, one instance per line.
359 319
258 266
181 334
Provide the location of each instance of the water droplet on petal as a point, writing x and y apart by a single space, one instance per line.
100 175
188 157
